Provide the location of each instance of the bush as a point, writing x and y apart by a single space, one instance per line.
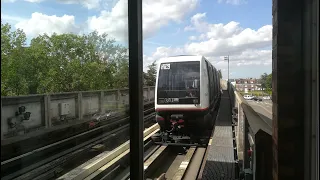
257 93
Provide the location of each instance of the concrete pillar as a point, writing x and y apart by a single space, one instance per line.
80 115
118 98
246 145
2 121
148 94
288 90
101 107
240 132
47 112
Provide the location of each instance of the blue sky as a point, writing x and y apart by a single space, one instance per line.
213 28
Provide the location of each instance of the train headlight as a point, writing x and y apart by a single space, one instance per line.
195 101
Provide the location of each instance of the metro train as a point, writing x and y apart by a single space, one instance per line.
187 98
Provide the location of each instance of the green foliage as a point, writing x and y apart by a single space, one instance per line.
12 53
61 63
150 76
263 79
266 82
269 82
254 93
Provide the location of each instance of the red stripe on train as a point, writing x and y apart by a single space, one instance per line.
181 109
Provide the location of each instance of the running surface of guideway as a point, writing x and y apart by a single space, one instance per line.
221 156
221 160
264 110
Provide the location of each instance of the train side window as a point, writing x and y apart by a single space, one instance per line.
209 80
215 79
212 83
218 81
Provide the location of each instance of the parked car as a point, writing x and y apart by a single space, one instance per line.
248 97
256 99
266 97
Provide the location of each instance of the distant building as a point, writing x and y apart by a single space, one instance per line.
249 84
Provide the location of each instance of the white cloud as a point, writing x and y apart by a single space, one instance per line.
247 57
213 40
90 4
216 31
246 47
156 14
222 39
192 38
233 2
248 60
12 1
159 53
34 1
8 1
40 23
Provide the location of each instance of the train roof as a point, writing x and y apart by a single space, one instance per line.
181 58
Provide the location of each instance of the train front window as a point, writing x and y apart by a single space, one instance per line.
179 83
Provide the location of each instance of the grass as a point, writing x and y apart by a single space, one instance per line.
257 93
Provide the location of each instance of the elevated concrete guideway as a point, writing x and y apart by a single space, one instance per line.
221 162
264 110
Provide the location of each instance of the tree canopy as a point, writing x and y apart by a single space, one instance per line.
62 63
266 81
150 76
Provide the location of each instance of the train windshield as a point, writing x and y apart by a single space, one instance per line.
179 83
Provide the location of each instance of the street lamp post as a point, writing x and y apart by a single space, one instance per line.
227 58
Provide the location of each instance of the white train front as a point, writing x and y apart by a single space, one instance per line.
187 98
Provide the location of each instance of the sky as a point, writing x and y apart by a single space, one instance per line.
241 29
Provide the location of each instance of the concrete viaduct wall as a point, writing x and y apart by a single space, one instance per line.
49 110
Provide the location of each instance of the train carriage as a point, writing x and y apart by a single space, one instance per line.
187 97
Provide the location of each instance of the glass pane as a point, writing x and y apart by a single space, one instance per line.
64 89
179 81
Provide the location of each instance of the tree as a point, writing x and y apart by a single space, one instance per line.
13 62
266 82
263 80
60 63
220 74
115 58
67 63
269 82
150 76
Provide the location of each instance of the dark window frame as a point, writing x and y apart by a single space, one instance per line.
136 88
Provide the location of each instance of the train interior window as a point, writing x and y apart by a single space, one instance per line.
212 83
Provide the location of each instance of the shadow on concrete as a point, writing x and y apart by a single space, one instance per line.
263 143
266 119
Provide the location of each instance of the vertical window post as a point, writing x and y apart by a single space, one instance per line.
136 89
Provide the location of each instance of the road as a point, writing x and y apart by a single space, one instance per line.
264 109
